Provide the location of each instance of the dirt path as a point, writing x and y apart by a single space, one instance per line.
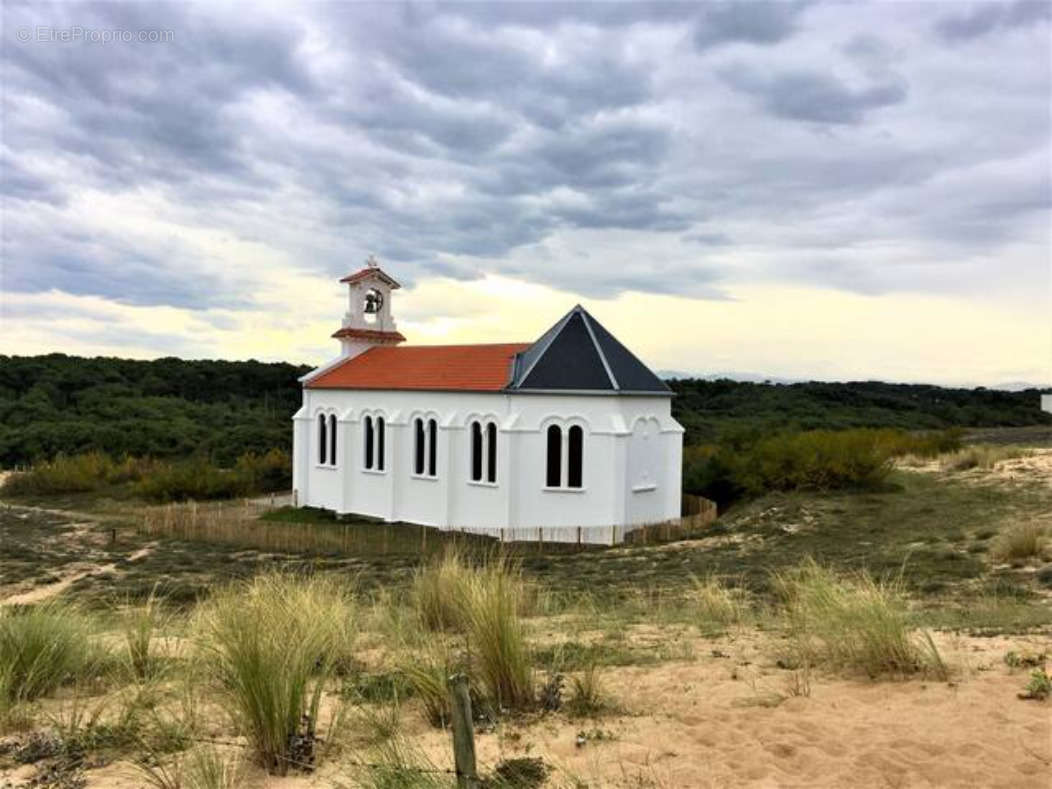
79 530
47 591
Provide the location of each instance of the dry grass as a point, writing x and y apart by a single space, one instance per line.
854 623
1020 542
201 767
982 456
716 605
439 591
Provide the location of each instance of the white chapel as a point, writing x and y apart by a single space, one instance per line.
568 438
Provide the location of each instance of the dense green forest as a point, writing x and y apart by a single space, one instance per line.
713 411
163 408
170 408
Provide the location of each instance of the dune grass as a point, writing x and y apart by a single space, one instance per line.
983 456
141 625
1020 542
271 643
501 656
715 605
485 604
439 590
853 623
201 767
42 647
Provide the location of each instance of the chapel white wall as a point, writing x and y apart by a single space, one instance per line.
616 456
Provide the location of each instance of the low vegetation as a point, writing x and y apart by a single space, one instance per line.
981 456
855 623
41 648
1021 542
717 605
290 638
154 480
750 464
270 644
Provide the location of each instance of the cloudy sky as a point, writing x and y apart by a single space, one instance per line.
802 189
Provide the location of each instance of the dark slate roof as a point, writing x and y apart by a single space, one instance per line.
579 354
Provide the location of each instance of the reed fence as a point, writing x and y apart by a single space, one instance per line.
243 524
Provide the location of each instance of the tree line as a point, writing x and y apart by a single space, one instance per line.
174 408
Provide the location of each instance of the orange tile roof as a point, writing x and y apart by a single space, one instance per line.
372 271
464 368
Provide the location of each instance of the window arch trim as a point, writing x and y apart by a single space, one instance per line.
483 441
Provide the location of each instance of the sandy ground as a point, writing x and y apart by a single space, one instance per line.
726 719
73 574
1034 466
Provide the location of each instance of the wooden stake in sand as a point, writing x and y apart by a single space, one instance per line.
463 733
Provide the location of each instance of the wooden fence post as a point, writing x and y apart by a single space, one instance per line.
463 733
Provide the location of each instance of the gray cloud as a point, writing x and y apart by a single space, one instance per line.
758 22
984 18
729 140
815 96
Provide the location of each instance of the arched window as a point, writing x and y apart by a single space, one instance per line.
419 450
322 443
554 476
574 459
425 447
476 451
432 447
484 452
379 443
369 440
332 439
491 452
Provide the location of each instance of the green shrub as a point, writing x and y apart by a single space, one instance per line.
76 474
266 473
750 465
1039 687
853 623
42 647
162 481
271 643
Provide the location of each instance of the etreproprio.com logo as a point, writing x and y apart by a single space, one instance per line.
93 35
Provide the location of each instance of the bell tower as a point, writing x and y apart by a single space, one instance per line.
368 320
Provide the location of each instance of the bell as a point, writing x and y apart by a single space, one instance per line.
373 301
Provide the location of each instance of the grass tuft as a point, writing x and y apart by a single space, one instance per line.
854 623
201 767
590 699
141 626
42 647
982 456
494 597
1020 542
439 591
271 643
716 605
